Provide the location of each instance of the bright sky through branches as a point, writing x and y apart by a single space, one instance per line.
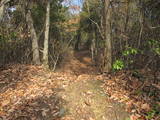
74 5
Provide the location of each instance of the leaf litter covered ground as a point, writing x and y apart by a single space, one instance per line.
76 92
138 91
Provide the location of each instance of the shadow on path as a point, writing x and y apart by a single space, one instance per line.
79 63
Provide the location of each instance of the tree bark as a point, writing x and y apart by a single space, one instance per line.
141 21
35 47
46 39
107 37
2 7
3 2
1 12
78 40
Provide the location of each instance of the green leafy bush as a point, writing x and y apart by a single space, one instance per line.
118 65
150 115
128 55
154 112
155 46
157 50
130 51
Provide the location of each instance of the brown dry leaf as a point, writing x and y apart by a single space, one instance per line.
30 82
88 102
5 102
145 107
135 117
2 113
123 85
91 118
129 106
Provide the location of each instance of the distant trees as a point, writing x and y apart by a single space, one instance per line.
96 22
27 23
118 33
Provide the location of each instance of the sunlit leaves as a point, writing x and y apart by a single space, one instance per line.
154 46
150 115
118 65
130 51
157 50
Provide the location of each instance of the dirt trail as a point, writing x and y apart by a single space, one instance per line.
75 93
84 95
79 63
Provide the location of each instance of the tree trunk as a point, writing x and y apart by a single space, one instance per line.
2 7
1 12
35 47
107 37
78 40
141 21
93 44
46 39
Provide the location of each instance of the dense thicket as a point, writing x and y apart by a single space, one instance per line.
23 30
134 30
119 34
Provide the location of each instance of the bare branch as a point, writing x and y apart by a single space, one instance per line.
97 27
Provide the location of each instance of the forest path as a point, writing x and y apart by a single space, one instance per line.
79 63
29 92
84 95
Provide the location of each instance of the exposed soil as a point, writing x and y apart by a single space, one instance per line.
85 97
73 93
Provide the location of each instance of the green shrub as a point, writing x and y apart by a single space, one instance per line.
130 51
118 65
